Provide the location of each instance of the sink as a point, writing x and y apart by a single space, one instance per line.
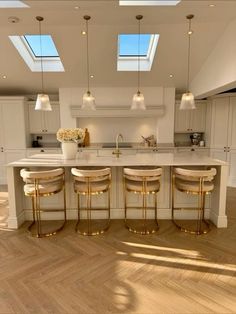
113 145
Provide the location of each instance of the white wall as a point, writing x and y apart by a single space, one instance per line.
218 73
104 129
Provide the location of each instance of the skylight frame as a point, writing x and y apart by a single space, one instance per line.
50 64
130 63
149 2
6 4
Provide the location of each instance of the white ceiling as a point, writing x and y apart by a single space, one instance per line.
65 24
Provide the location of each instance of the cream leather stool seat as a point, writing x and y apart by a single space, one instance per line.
41 184
198 182
90 182
143 181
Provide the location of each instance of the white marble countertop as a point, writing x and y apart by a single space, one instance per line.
91 159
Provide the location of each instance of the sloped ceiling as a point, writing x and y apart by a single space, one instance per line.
65 24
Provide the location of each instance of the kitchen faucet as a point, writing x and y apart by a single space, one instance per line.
117 151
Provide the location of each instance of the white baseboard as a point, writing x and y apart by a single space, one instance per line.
16 222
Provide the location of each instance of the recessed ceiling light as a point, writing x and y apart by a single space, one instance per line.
76 8
212 5
83 33
92 76
4 77
190 32
171 75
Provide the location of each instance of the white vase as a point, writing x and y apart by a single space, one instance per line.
69 150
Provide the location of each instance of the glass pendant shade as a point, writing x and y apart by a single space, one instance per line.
88 101
187 102
43 103
138 102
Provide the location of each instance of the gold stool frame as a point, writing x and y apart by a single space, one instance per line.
201 208
37 210
88 194
144 207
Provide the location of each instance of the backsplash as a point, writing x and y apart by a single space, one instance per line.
104 130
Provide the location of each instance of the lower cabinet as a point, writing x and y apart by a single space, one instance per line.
230 157
34 151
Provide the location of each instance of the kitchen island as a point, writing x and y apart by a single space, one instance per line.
20 206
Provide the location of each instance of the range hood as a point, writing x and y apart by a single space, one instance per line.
117 112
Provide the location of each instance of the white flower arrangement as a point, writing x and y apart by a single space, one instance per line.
71 135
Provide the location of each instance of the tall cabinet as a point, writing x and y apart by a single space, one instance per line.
12 132
223 132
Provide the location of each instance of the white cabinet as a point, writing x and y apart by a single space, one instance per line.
44 121
190 120
12 132
195 150
223 132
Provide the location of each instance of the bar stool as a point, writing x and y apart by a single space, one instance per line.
88 183
41 184
144 182
195 182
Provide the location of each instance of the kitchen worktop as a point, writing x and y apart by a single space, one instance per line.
92 159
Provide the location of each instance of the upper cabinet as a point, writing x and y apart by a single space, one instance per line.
188 121
44 121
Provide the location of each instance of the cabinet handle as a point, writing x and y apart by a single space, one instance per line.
2 150
42 151
192 150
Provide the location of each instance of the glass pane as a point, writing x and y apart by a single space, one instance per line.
48 46
128 45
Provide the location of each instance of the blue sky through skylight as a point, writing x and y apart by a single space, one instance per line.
128 44
48 47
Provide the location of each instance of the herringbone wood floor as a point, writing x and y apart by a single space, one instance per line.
120 272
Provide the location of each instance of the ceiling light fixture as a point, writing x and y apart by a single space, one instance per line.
212 5
171 75
138 98
187 101
83 33
88 99
42 102
4 77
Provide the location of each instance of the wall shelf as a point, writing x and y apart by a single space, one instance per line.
117 112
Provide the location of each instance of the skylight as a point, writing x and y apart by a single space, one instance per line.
129 45
48 46
149 3
129 51
28 47
12 4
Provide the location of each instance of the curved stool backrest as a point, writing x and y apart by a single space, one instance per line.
143 174
94 175
194 175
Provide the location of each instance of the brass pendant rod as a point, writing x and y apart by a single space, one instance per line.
189 17
41 52
138 56
87 18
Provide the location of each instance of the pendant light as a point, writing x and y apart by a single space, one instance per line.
42 102
187 101
138 98
88 99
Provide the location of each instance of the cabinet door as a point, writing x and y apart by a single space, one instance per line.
198 118
232 168
2 168
36 124
52 119
232 124
13 124
219 131
182 120
218 154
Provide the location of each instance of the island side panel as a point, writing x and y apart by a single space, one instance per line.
218 204
15 191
